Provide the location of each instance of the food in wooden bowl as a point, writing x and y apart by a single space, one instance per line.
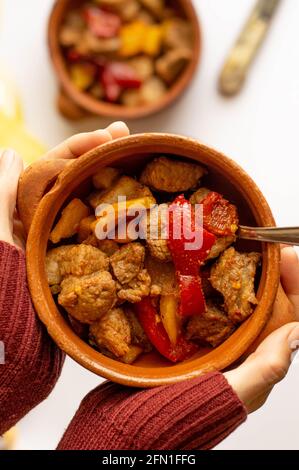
144 289
148 303
133 56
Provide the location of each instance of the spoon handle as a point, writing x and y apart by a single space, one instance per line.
244 51
288 235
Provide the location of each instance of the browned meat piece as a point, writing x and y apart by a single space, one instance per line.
162 275
75 260
112 332
178 33
156 236
136 289
139 337
125 186
127 9
221 244
71 32
233 276
213 327
171 64
128 262
89 43
156 7
171 176
88 298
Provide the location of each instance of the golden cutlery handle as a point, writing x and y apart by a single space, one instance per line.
244 51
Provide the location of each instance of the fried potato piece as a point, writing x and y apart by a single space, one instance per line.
136 289
213 327
162 275
88 298
133 353
106 177
199 195
85 228
69 220
113 332
128 262
171 176
74 260
125 186
233 276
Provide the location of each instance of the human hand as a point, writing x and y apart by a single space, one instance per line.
11 167
255 378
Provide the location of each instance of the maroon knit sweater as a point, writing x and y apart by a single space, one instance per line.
196 414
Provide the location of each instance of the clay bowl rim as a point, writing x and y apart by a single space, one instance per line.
218 359
101 108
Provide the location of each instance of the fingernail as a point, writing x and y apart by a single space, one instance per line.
118 125
294 339
7 158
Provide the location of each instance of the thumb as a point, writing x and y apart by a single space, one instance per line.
255 378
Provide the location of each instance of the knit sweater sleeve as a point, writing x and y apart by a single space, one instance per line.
30 363
196 414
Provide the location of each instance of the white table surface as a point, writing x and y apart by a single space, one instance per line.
259 129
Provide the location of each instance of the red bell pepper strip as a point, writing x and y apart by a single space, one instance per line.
156 333
187 262
102 23
219 215
117 76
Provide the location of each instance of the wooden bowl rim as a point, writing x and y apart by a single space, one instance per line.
219 358
101 108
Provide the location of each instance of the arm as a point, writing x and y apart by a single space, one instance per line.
196 414
32 361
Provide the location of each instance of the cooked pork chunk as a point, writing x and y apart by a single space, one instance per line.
88 298
112 332
125 186
221 244
213 327
139 337
156 236
75 260
127 262
233 276
171 176
136 289
162 275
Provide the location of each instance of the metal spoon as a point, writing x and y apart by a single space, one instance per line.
288 235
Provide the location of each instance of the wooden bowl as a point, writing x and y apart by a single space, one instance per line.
75 104
131 153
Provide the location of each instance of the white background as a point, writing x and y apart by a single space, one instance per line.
259 129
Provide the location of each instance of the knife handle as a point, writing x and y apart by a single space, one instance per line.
244 51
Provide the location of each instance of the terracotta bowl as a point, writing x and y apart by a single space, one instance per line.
41 199
75 104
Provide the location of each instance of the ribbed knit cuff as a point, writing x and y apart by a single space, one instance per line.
32 361
195 414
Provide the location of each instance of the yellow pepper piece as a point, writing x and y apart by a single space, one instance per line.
132 38
170 320
153 40
82 76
